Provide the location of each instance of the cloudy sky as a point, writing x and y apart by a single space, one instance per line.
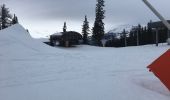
43 17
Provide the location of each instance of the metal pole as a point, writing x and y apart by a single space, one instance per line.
165 22
137 36
125 39
168 33
157 38
168 40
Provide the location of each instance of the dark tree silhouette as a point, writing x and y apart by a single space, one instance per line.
64 27
5 17
14 19
85 30
98 29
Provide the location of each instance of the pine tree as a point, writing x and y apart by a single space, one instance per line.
138 35
64 27
98 29
150 33
5 17
15 19
85 30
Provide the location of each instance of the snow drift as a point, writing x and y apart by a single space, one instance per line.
31 70
16 41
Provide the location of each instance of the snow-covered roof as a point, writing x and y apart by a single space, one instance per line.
59 33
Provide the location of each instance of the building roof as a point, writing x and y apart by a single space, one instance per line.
157 24
58 34
69 35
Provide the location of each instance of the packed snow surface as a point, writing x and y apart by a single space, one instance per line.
31 70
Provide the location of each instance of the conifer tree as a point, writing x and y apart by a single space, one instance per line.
64 27
98 29
85 30
15 19
5 17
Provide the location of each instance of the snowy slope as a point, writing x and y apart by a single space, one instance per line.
17 42
43 39
30 70
120 29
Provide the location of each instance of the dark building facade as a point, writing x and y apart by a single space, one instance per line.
66 39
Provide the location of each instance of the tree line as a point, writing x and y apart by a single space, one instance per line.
98 28
138 35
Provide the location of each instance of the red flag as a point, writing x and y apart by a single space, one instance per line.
161 68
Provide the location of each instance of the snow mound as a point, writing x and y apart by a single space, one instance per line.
16 41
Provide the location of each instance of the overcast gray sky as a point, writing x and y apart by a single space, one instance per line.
43 17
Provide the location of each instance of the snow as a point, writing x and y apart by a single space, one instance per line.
58 33
168 41
31 70
43 39
120 29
